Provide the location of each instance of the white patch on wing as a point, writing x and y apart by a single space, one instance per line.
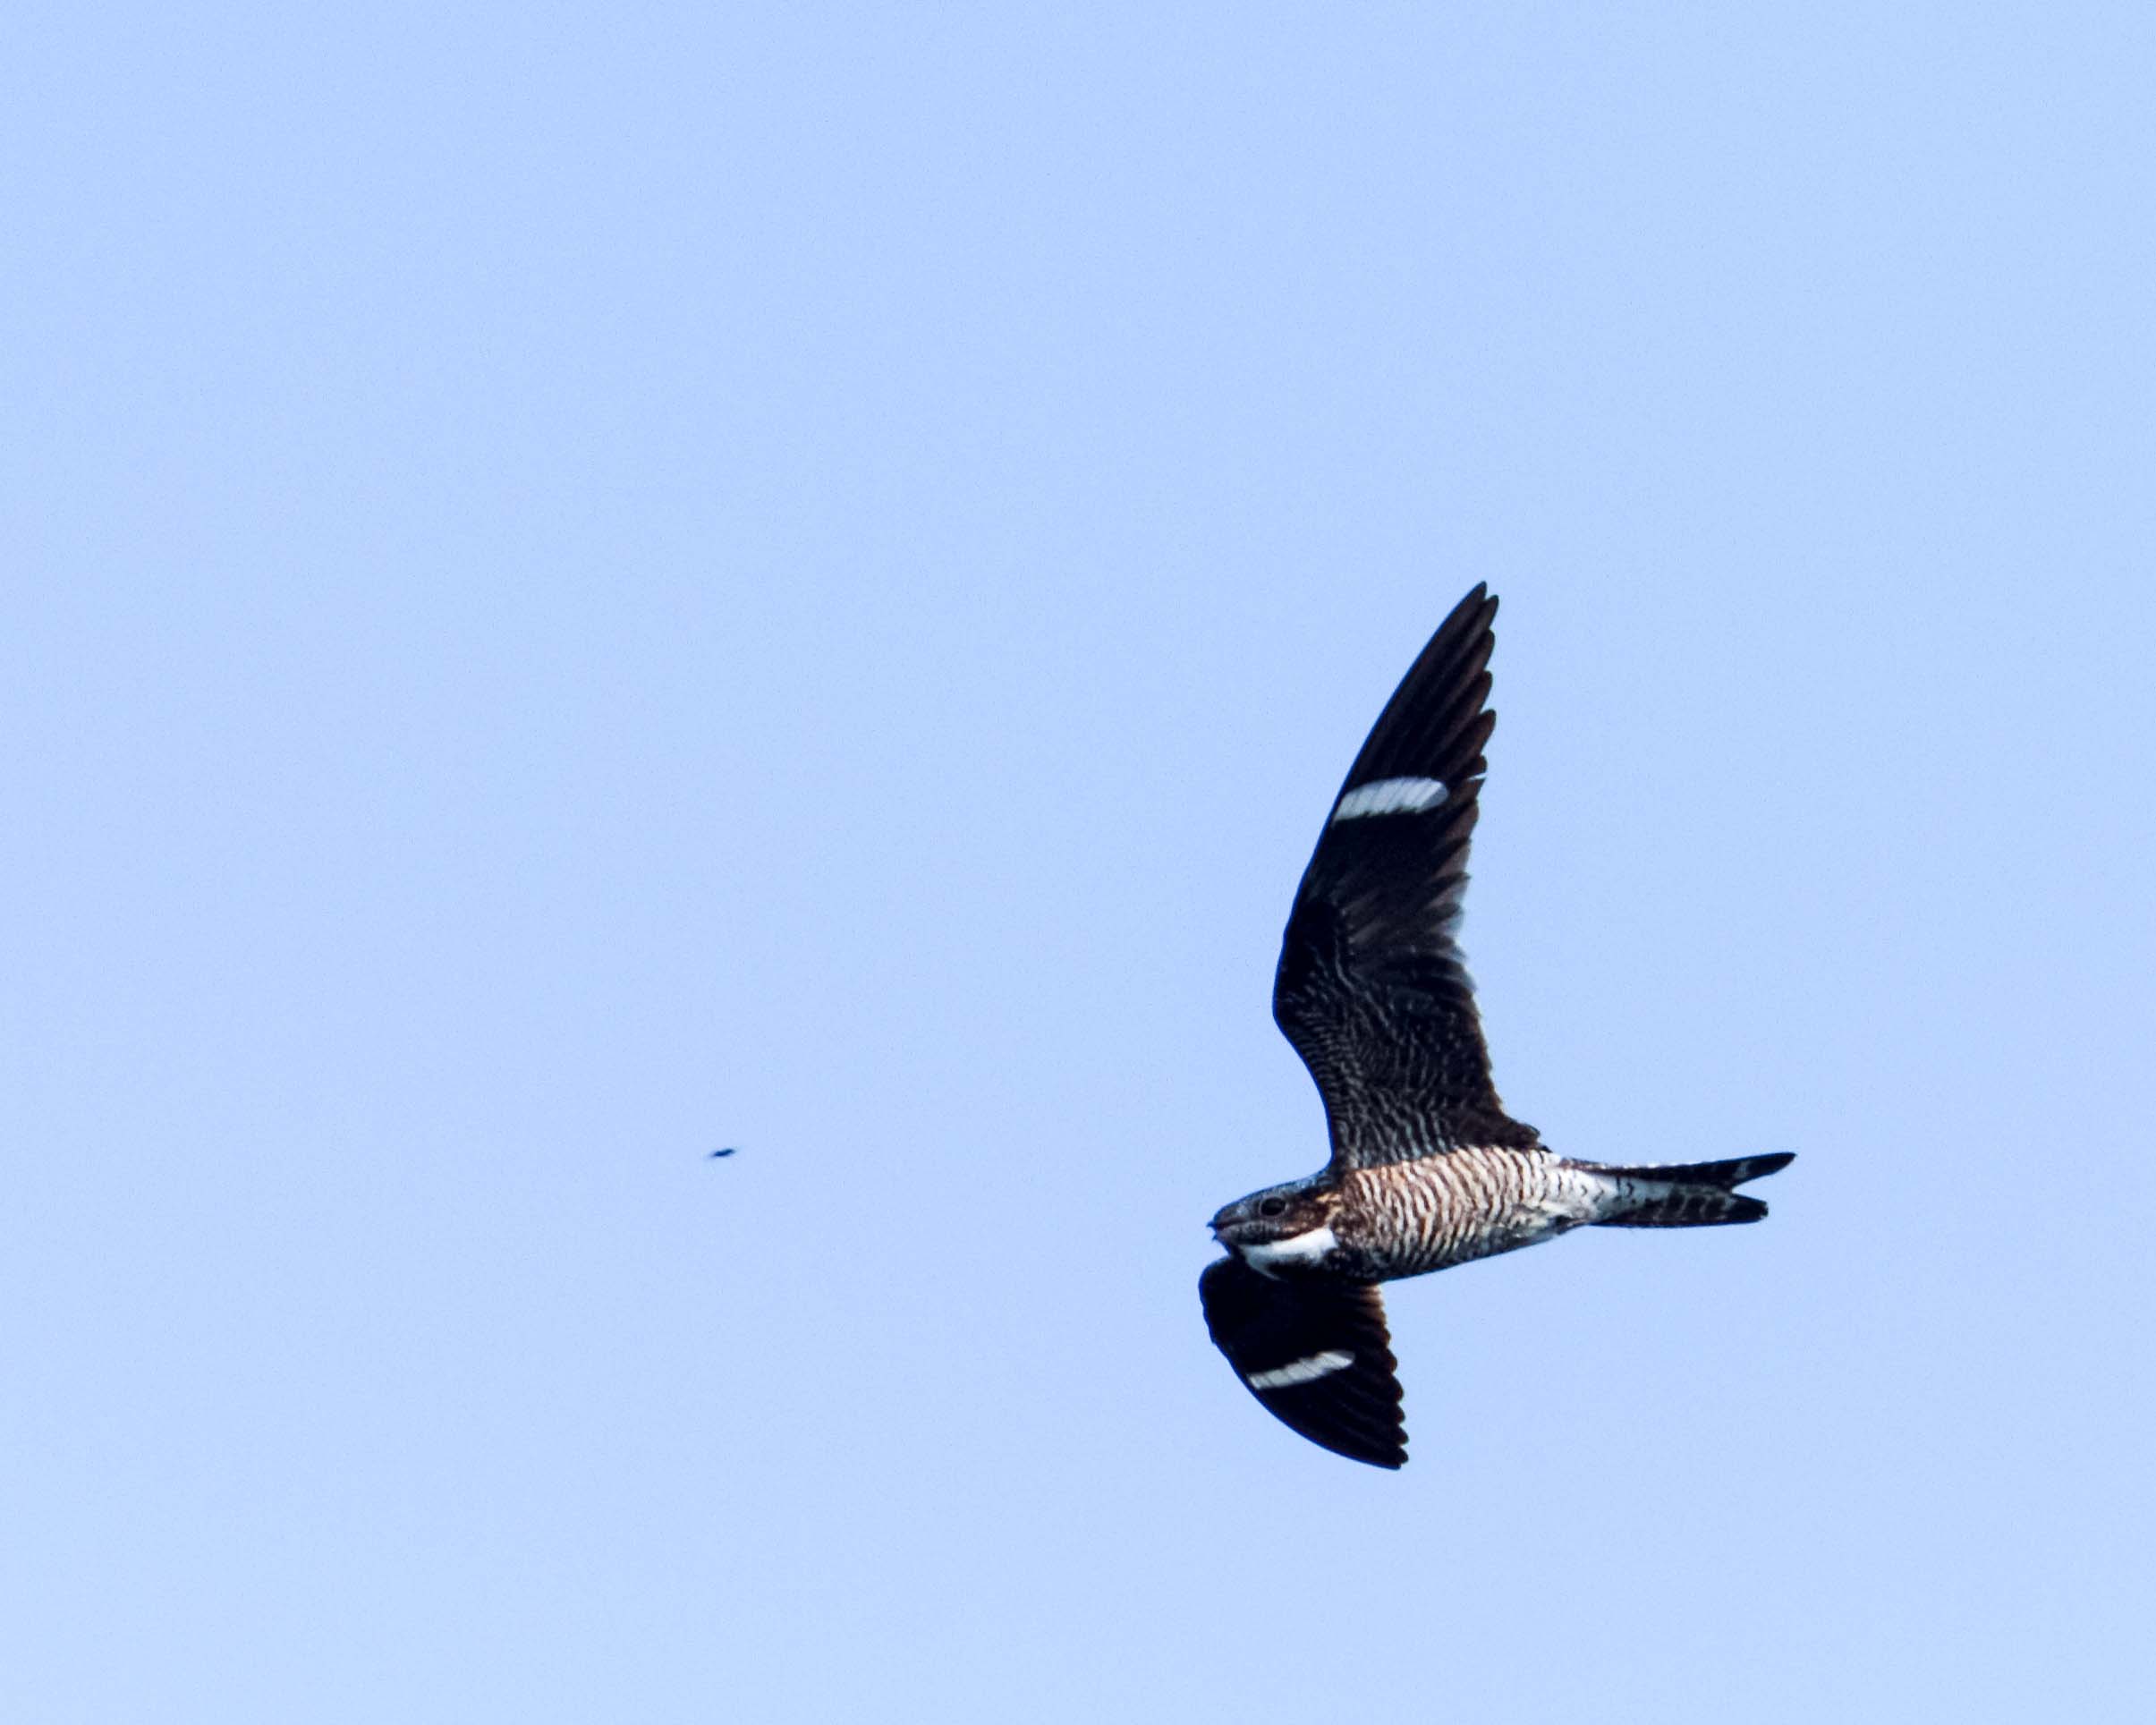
1390 797
1308 1247
1304 1371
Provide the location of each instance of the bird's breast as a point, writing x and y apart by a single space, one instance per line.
1411 1218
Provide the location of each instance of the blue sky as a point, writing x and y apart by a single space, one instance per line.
595 585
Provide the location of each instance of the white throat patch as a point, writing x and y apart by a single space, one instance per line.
1308 1247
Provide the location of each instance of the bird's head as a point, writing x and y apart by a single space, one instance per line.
1280 1212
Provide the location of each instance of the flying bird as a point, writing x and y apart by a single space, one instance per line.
1428 1169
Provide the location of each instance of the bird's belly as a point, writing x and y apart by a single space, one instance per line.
1413 1218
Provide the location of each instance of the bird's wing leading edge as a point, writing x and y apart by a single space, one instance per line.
1371 989
1314 1352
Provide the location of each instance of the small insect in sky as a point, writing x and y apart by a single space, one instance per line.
727 1151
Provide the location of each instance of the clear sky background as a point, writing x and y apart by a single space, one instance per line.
588 585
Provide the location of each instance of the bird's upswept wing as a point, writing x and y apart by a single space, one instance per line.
1315 1353
1371 989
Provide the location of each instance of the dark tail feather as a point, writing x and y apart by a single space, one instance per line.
1695 1194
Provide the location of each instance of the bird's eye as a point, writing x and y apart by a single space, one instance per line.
1273 1207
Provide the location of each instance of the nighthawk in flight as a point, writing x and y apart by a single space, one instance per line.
1427 1171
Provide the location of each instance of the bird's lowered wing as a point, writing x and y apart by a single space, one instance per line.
1371 987
1315 1353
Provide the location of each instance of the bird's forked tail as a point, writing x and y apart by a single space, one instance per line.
1693 1195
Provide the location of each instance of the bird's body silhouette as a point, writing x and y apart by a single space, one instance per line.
1427 1171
